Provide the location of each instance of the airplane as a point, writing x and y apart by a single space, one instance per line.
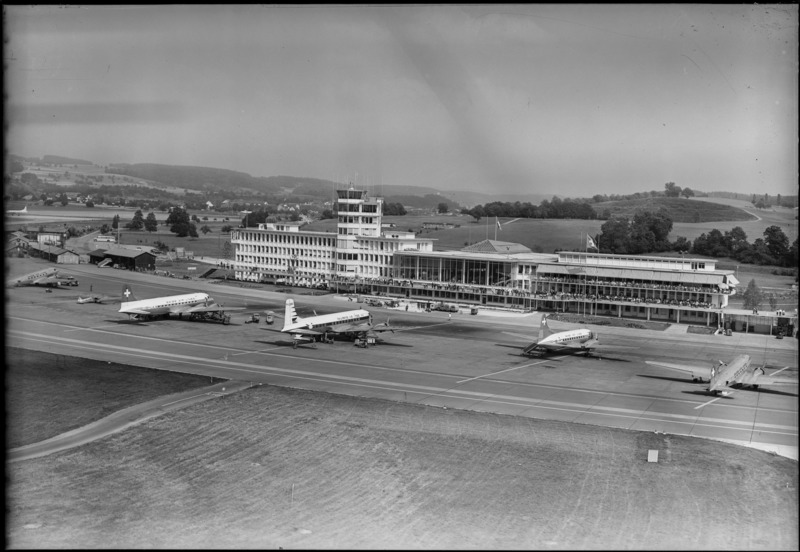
196 305
47 277
570 341
23 211
357 323
99 299
723 379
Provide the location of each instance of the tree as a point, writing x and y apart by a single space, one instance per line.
105 229
753 296
477 212
89 203
178 220
150 223
205 229
682 244
649 232
137 222
773 300
115 222
226 229
792 257
63 199
393 209
442 208
735 240
777 243
671 190
687 193
614 235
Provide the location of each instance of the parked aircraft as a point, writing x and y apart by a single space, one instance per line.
724 379
47 277
570 341
195 305
100 299
357 323
23 211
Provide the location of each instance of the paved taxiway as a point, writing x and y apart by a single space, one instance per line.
471 362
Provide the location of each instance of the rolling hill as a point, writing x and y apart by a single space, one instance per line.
679 209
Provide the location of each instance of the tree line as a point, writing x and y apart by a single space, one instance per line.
648 232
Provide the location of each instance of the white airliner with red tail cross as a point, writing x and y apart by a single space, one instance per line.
196 305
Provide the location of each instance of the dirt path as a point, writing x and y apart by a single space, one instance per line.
123 419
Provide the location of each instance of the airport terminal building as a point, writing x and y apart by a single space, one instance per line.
276 252
362 258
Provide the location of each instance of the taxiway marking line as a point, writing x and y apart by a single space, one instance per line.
257 352
707 403
96 328
509 369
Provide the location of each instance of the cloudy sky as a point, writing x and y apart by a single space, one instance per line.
570 100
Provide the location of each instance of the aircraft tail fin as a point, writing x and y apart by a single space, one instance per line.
290 315
544 329
127 293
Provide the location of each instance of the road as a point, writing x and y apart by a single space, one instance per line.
471 362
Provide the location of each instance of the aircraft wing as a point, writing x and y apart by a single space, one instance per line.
359 328
305 331
138 311
99 299
591 344
703 372
213 307
763 379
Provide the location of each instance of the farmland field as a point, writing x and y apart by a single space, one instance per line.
71 403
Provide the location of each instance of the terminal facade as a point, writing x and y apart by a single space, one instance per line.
364 258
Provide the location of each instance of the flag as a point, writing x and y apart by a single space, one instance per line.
498 223
590 242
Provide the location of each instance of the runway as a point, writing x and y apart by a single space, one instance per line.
471 362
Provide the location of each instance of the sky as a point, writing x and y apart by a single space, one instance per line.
573 100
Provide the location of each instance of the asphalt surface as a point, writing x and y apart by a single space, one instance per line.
469 362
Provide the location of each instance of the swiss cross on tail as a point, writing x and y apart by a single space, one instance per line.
127 293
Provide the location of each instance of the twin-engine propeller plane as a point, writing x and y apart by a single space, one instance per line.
197 306
570 342
723 379
356 323
47 277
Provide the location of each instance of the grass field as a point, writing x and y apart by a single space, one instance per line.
274 467
77 391
679 209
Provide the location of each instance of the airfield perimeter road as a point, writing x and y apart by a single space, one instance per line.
471 362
